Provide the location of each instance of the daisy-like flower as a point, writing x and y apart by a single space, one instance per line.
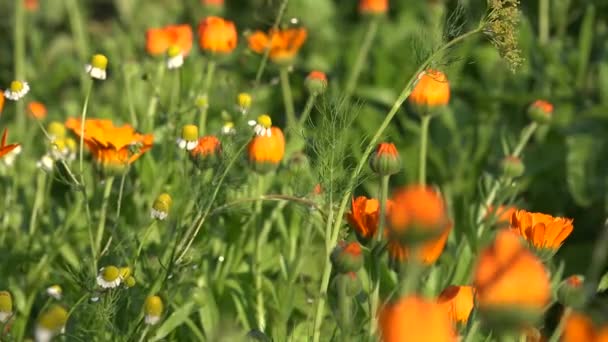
161 206
109 277
153 309
175 57
56 130
51 323
262 126
54 291
46 163
97 68
228 128
6 306
17 90
189 138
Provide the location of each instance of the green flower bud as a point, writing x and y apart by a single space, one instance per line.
347 257
385 161
512 167
541 112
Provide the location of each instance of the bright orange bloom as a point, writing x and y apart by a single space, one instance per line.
428 252
417 207
1 100
541 230
415 319
111 147
4 148
217 35
503 214
458 301
545 106
36 110
363 216
508 275
580 327
266 152
159 40
212 2
432 90
207 146
31 5
373 6
283 44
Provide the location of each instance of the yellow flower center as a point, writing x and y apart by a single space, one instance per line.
244 100
16 86
153 306
99 61
59 144
110 273
229 125
56 129
190 132
6 302
71 144
174 51
54 319
265 121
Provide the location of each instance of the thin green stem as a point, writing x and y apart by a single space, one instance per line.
383 194
598 262
143 242
144 333
287 98
424 141
83 117
375 295
353 78
307 109
80 37
19 56
363 161
275 26
153 103
543 21
257 272
129 93
202 121
38 200
103 213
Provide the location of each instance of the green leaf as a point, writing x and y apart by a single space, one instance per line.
585 43
580 154
176 319
603 285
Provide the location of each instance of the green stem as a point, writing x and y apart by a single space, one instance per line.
38 199
77 27
202 122
383 194
598 263
153 103
307 109
543 21
83 117
257 272
363 161
144 334
143 242
287 98
129 93
370 34
424 140
103 213
264 61
19 55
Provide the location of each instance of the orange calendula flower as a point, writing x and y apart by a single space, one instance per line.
1 100
417 209
159 40
111 147
218 3
283 44
217 35
36 110
415 319
316 82
458 302
541 111
31 5
427 253
580 327
432 90
541 230
510 278
502 214
265 151
4 148
206 151
363 216
373 6
385 160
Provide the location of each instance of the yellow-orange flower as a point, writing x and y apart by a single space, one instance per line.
502 214
431 90
283 44
218 3
373 6
415 319
427 252
363 216
4 148
580 327
417 208
159 40
509 276
31 5
458 301
111 147
265 152
206 151
1 100
541 230
217 35
36 110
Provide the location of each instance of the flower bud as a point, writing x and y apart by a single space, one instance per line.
51 322
6 306
541 111
97 68
55 291
161 206
244 102
373 7
153 309
348 282
130 282
189 138
347 257
207 152
56 130
571 292
512 167
316 82
385 161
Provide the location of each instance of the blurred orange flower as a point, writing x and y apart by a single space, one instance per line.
111 147
508 275
1 100
431 90
419 208
212 2
458 302
363 216
265 152
502 214
217 35
207 146
4 148
580 327
541 230
373 6
31 5
36 110
415 319
159 40
283 44
427 253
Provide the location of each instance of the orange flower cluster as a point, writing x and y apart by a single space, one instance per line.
112 148
217 35
542 231
159 40
580 327
4 148
283 44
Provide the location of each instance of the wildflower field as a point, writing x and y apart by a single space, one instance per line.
304 170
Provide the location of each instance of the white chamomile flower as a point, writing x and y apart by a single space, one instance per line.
51 323
175 58
228 128
161 206
262 127
55 291
6 306
109 277
98 66
153 310
189 138
46 163
17 90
